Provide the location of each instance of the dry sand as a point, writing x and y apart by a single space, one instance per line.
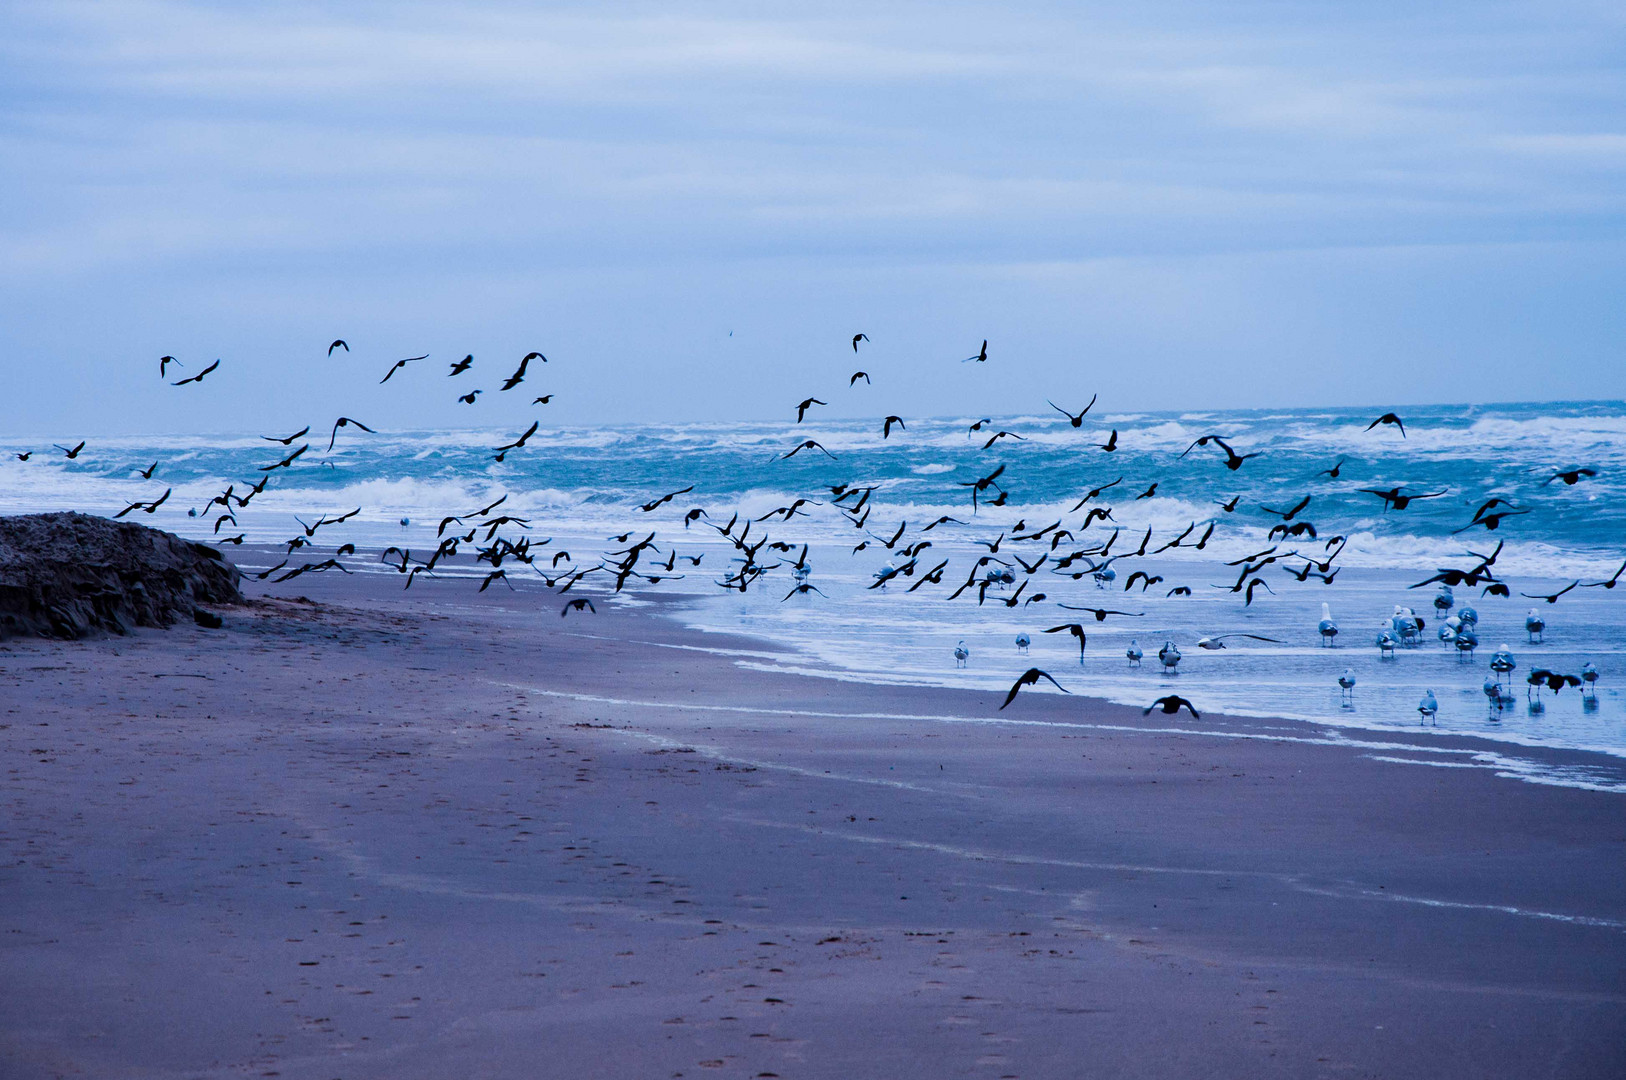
406 835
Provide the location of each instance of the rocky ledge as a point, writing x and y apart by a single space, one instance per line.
73 575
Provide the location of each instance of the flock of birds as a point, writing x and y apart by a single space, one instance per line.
1060 549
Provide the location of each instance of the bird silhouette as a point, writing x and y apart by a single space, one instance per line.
859 375
886 426
345 421
399 364
1076 419
1031 677
981 357
801 410
1171 705
1388 418
856 339
338 343
199 376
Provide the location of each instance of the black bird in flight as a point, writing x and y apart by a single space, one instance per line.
287 461
338 343
804 588
1229 507
1570 478
1551 598
146 474
71 453
468 398
809 444
462 365
981 357
979 424
1112 442
801 410
1332 472
199 376
1290 514
860 375
886 426
998 435
1078 419
543 400
1233 460
1095 493
856 339
25 455
1388 418
1609 584
519 376
399 364
664 499
290 439
345 421
1393 498
1490 521
502 451
1172 705
1148 493
1102 613
1075 629
1031 677
148 507
163 365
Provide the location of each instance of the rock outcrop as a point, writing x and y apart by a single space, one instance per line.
72 575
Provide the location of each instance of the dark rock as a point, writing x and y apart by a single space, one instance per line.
207 619
72 575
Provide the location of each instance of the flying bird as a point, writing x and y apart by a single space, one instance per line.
469 398
1076 419
860 375
199 376
664 499
1570 478
1394 499
1172 705
1075 629
1388 418
809 444
856 339
1551 598
71 453
886 427
399 364
1112 442
164 362
519 375
579 604
338 343
1102 613
290 439
981 356
345 421
462 365
1031 677
801 410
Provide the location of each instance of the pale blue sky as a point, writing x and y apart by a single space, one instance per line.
1178 205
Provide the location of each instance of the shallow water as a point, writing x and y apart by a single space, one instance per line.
579 486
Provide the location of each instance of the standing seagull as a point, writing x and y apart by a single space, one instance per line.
1428 707
1326 627
1346 683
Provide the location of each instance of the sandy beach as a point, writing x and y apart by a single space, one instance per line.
438 834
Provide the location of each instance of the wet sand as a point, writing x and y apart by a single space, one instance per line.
433 834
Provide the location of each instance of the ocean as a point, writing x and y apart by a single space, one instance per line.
578 487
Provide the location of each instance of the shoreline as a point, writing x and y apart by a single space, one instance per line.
564 837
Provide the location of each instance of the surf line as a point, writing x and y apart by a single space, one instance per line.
943 718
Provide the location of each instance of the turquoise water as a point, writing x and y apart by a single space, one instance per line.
580 486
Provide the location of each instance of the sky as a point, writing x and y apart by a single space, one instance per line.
690 208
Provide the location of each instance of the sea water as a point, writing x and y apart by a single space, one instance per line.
581 486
